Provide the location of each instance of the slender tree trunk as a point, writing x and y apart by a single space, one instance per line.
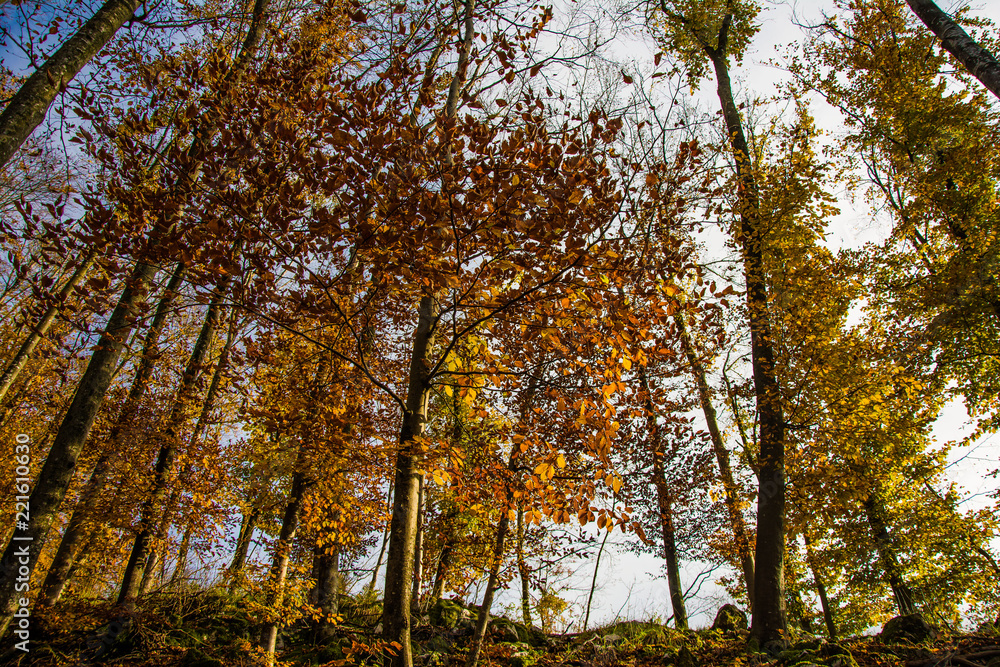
769 618
664 505
57 472
828 618
86 507
887 555
418 551
134 570
403 526
385 543
483 620
441 572
20 359
979 61
524 572
182 555
593 580
247 527
29 105
731 492
279 566
157 544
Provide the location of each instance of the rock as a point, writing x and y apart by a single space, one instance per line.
503 631
508 632
446 614
685 658
730 619
814 654
910 628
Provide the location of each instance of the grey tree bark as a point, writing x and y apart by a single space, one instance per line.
28 107
77 530
403 525
57 472
978 60
769 624
732 497
901 592
20 359
131 580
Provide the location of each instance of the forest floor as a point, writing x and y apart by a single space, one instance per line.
215 629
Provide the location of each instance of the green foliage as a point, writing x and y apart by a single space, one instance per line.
690 29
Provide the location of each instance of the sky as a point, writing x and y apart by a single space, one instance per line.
632 586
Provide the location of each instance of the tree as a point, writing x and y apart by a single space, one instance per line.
979 61
714 32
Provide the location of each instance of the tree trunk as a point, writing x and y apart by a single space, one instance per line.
664 502
418 551
979 61
57 472
20 359
327 589
279 566
769 619
403 526
134 570
29 105
831 625
731 491
182 555
157 544
887 555
523 571
247 528
593 580
385 543
77 528
483 620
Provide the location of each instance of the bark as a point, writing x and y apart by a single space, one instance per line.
523 571
769 618
979 61
403 524
664 506
731 492
57 472
483 620
208 404
385 543
418 551
824 600
279 566
60 464
27 109
443 566
593 580
155 557
78 527
135 568
182 556
247 527
327 590
875 514
20 359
